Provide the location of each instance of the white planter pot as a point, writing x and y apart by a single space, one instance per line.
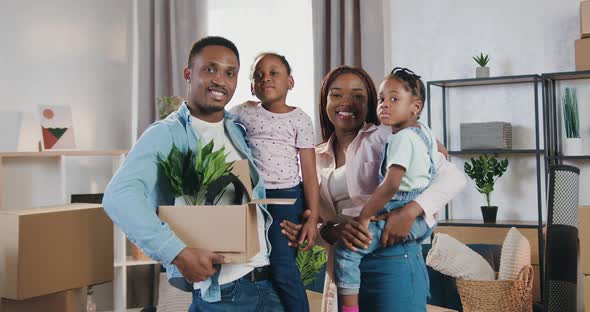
179 201
572 147
482 72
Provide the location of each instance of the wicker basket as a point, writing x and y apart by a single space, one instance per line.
498 295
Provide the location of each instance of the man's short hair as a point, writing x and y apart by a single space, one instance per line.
211 41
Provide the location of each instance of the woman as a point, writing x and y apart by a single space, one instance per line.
394 278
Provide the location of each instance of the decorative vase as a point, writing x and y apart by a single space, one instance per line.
572 147
482 72
489 213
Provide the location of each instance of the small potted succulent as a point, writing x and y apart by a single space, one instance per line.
483 71
485 171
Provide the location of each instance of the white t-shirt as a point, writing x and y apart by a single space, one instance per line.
216 131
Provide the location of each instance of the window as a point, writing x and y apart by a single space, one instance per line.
256 26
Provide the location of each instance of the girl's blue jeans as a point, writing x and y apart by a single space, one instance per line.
285 274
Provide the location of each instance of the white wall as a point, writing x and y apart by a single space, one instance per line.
74 53
278 26
437 40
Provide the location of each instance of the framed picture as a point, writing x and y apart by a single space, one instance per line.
57 129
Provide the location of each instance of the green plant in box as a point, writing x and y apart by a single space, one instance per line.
190 175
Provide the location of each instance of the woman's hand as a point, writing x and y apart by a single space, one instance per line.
352 234
398 224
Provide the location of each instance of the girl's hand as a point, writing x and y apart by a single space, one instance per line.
309 232
292 230
399 223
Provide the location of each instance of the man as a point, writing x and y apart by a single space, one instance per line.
132 196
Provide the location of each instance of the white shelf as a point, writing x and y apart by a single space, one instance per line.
62 153
120 276
131 262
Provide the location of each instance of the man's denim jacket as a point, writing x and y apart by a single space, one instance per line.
139 187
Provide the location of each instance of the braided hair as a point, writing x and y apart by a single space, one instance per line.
411 83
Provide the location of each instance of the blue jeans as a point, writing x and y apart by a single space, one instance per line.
285 274
347 262
241 295
394 279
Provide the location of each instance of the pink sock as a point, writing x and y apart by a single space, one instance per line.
350 309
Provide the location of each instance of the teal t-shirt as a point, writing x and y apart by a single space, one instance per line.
407 149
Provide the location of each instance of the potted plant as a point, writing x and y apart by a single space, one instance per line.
167 104
190 175
572 143
311 264
485 171
483 71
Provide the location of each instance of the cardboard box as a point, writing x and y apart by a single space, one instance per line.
431 308
586 293
584 235
52 249
585 19
65 301
230 230
583 54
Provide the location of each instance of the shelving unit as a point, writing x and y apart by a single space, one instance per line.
121 260
538 152
550 81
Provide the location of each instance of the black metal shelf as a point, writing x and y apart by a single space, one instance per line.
550 100
566 157
567 75
497 151
498 224
539 123
471 82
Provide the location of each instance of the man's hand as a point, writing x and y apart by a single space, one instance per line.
196 264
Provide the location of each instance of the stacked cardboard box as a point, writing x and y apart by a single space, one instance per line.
584 233
583 44
64 301
48 254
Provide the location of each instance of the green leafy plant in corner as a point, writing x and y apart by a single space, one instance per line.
482 60
190 175
571 117
485 171
310 262
167 105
